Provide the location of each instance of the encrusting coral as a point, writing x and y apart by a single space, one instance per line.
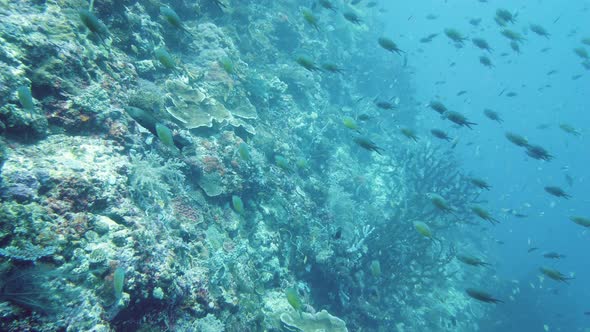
318 322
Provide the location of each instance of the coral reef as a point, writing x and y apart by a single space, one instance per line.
133 231
321 321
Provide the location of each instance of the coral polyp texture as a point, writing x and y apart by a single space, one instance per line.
177 169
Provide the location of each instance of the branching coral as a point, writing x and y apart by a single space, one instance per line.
430 169
27 252
410 260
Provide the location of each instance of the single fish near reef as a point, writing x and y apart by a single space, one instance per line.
352 18
484 214
409 133
165 135
244 151
569 129
385 105
481 296
307 63
458 118
438 107
582 221
294 299
237 204
26 99
482 44
493 115
471 260
455 36
555 275
505 15
517 139
484 60
553 255
428 38
557 192
441 204
389 45
480 183
349 123
93 24
311 19
332 68
440 134
118 282
422 228
513 35
173 19
327 5
367 144
165 58
282 163
144 118
539 30
538 152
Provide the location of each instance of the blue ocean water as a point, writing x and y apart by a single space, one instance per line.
544 101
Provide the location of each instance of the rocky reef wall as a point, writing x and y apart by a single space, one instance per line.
180 175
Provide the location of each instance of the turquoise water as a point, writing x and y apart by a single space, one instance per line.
225 165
